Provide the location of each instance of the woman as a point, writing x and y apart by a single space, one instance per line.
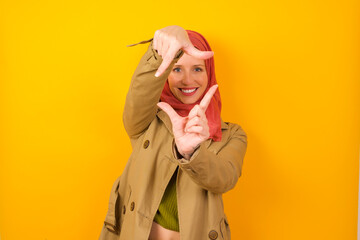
184 156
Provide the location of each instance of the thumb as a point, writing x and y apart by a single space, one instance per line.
192 51
168 110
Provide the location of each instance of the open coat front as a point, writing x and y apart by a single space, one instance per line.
213 169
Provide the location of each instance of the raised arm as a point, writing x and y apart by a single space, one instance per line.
144 92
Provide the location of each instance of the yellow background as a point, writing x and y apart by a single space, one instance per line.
288 74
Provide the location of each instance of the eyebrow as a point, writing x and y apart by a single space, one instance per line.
202 65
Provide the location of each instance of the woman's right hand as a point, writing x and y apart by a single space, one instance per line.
169 40
189 132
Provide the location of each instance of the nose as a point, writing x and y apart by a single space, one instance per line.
187 79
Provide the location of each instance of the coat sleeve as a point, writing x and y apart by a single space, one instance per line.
218 170
144 93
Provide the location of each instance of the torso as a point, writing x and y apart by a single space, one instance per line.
160 233
155 161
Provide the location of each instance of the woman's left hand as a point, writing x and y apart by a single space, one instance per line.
189 132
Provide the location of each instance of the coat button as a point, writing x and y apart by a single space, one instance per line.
146 144
132 206
124 209
213 235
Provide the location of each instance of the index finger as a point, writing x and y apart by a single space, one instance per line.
167 59
168 110
207 98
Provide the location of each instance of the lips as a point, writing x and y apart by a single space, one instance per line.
188 91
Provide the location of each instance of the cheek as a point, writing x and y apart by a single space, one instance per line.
204 80
172 84
171 81
204 83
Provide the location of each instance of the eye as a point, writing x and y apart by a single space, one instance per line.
177 69
198 69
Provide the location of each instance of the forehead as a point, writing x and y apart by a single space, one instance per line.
187 60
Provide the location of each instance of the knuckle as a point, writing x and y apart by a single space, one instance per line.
166 35
197 108
186 44
158 34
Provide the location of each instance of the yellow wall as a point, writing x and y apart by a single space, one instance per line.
288 73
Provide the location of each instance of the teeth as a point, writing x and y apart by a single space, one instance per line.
188 90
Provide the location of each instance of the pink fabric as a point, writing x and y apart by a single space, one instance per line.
213 112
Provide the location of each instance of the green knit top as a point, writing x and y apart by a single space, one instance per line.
167 214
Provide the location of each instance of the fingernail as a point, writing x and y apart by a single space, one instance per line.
157 74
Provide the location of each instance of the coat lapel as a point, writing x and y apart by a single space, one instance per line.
166 120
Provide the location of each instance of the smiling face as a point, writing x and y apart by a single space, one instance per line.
188 79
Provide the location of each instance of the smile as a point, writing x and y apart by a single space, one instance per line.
188 91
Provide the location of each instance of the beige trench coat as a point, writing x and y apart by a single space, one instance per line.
213 169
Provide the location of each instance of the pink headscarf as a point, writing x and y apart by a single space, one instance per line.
213 111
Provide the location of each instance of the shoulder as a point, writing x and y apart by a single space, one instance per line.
232 135
231 130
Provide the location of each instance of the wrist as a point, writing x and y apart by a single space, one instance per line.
186 154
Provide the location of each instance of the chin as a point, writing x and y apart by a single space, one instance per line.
187 101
